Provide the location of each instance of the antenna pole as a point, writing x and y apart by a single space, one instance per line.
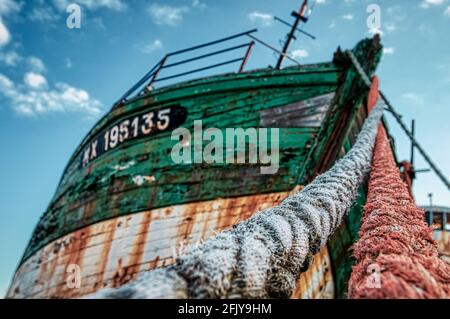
300 16
413 129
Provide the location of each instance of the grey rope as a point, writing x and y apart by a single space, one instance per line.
264 256
398 118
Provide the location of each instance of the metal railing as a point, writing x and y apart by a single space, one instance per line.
153 76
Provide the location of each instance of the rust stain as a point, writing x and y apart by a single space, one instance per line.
206 222
153 264
47 267
226 215
74 256
89 169
104 254
187 223
220 214
317 281
135 258
168 211
89 209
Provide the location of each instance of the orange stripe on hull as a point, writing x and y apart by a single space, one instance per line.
113 252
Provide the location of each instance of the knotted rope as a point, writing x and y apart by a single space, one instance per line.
396 255
264 256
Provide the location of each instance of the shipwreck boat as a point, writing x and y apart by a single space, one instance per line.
124 207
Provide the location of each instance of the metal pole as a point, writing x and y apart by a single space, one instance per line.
158 70
298 16
430 214
234 36
413 129
444 221
391 109
272 48
247 54
299 30
416 144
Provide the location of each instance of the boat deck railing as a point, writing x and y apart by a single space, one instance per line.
438 217
145 84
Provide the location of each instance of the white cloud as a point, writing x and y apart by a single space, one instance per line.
117 5
98 21
396 13
9 6
198 4
390 26
167 15
428 3
10 58
374 31
447 11
299 53
43 13
34 80
264 19
5 36
347 17
413 98
321 1
388 50
31 100
154 46
36 64
5 83
68 63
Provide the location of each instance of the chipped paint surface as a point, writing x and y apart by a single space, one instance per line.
114 252
308 113
139 180
139 174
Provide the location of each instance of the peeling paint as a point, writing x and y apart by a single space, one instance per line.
139 180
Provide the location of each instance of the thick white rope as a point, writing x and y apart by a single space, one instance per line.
264 256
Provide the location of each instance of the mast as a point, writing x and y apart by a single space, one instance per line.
300 16
413 129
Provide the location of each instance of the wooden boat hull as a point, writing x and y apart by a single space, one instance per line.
123 208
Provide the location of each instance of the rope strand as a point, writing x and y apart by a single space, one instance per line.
396 255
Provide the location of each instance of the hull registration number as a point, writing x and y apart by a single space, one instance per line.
137 126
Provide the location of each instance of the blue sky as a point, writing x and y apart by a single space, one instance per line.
55 82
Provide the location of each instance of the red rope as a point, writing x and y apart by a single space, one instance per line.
396 255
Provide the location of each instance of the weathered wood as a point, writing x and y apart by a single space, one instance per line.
111 253
105 187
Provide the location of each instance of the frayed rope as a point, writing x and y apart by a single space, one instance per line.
396 255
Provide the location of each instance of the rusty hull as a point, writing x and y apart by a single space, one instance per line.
113 252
